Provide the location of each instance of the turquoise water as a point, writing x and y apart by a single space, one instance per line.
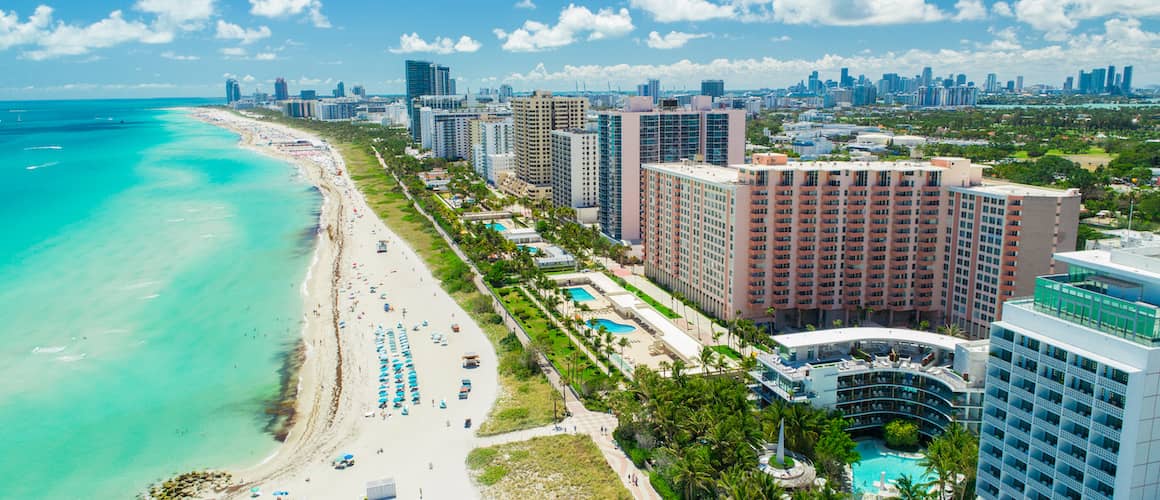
876 459
580 294
531 250
612 326
495 226
150 277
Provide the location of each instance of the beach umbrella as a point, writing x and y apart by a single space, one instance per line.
255 489
347 456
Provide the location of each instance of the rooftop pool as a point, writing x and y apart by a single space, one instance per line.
496 226
612 326
580 294
876 459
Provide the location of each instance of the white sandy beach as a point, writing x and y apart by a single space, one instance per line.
424 451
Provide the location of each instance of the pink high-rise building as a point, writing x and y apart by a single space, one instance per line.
814 242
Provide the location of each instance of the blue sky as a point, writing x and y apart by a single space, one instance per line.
119 48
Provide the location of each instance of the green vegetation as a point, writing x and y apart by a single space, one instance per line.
953 453
727 351
700 435
901 434
576 367
525 396
560 466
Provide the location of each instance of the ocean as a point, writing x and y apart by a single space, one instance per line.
150 292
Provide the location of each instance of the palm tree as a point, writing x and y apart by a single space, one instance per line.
706 358
772 313
623 343
952 330
693 475
664 367
910 489
720 364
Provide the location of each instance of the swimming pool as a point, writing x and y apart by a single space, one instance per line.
580 294
531 250
612 326
497 227
876 458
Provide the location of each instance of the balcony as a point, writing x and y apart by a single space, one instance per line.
1080 301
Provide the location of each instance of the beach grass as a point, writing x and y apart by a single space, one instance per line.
561 466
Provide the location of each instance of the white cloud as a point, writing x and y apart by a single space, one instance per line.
667 11
1002 9
248 78
1004 39
265 56
970 10
1125 38
573 23
229 31
233 52
287 8
440 45
673 40
779 39
1057 18
525 4
14 33
70 40
841 12
169 54
183 14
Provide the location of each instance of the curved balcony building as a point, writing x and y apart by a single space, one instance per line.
875 375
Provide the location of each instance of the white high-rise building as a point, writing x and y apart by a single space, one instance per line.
575 164
1073 381
489 136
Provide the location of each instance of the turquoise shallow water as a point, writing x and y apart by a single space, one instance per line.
150 288
612 326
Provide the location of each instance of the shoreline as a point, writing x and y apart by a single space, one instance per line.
335 412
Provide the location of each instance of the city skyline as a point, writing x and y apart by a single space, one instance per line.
158 48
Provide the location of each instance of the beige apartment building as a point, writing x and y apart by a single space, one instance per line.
534 118
803 243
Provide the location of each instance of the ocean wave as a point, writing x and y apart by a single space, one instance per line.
72 358
34 148
42 165
141 284
208 235
175 221
151 296
48 350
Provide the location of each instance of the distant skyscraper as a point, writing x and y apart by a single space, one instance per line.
281 91
340 90
307 95
1110 83
927 76
1019 83
1098 76
505 92
359 91
1126 82
992 83
960 79
1084 83
1069 84
845 80
233 91
642 90
713 88
424 78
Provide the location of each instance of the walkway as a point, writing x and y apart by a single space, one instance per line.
691 316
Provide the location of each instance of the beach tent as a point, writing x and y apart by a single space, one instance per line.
381 489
